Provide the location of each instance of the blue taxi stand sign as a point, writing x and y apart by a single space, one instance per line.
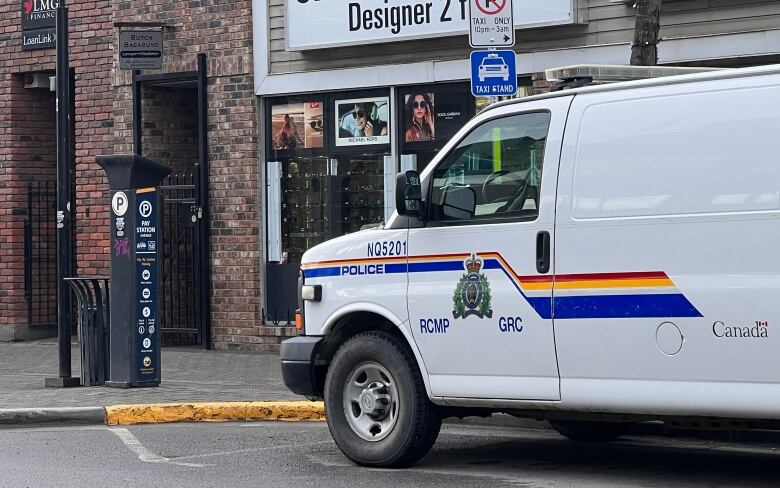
493 73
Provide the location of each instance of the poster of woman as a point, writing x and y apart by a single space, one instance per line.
363 121
419 117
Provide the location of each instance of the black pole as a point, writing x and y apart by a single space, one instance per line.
137 114
204 291
28 254
64 204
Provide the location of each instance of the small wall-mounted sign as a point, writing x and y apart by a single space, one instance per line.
140 49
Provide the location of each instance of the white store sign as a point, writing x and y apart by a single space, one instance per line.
315 24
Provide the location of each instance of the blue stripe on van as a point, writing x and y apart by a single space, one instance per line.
392 268
430 266
623 306
322 272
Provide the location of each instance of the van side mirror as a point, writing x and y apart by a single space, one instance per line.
408 194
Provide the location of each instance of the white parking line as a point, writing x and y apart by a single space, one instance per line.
275 447
145 454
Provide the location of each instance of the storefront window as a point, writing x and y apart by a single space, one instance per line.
324 198
331 149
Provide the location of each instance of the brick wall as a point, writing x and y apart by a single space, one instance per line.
222 30
28 139
170 132
92 56
541 85
27 154
103 125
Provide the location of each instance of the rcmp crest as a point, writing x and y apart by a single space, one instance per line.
472 295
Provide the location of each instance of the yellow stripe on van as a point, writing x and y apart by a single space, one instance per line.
564 285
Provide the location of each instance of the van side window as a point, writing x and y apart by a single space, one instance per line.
494 173
706 153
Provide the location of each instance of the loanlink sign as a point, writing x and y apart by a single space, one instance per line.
38 24
330 23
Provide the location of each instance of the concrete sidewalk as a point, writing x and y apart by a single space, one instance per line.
196 385
188 375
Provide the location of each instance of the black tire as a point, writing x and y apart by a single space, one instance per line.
417 420
585 431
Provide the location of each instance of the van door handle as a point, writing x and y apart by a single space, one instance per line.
543 252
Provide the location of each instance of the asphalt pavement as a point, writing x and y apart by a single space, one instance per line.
302 455
192 375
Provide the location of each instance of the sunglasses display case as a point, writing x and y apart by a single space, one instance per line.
327 198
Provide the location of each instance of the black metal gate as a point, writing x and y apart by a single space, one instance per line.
182 323
185 284
40 253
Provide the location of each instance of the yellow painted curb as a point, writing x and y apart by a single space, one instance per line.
156 413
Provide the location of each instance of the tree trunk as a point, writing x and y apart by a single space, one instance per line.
644 51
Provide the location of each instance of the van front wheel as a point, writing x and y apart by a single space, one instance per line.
375 402
585 431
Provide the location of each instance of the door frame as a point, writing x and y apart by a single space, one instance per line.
199 78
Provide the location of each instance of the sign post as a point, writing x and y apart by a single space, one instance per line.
135 244
64 216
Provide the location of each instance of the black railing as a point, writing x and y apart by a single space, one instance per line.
40 253
94 319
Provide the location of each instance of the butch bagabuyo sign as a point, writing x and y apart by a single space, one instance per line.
39 21
315 24
140 49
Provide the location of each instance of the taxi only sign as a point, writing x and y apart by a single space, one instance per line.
491 23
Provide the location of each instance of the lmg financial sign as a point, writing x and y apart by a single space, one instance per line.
39 21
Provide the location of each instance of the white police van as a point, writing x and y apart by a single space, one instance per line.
597 256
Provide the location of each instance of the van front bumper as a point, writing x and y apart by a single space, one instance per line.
298 356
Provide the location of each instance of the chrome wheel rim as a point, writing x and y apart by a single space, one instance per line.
371 401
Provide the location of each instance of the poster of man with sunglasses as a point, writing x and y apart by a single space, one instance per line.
363 121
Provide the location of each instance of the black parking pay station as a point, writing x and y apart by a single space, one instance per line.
135 245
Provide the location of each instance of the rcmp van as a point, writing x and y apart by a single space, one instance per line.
594 257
